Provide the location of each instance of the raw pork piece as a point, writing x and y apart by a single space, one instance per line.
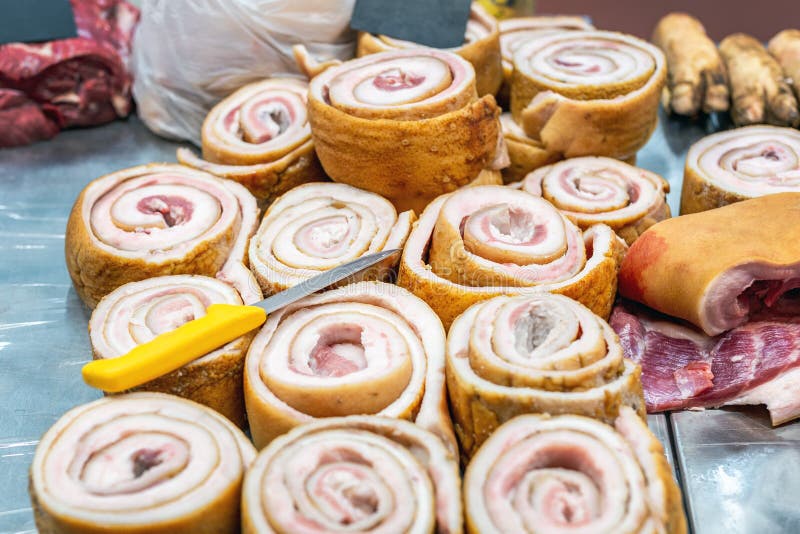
81 81
682 367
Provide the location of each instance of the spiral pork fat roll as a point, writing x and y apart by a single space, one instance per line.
260 137
137 312
517 30
155 220
480 242
593 190
542 353
572 474
316 227
406 125
354 474
139 462
369 348
588 93
739 164
481 48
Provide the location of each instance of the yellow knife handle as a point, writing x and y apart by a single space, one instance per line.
172 350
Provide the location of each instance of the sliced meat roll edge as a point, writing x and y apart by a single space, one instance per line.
484 241
407 125
535 354
137 312
365 349
140 462
316 227
159 219
571 474
259 136
354 474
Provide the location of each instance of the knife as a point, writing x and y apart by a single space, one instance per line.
222 324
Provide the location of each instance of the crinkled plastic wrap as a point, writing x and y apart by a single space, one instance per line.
190 54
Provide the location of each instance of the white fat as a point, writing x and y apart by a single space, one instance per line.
719 309
781 395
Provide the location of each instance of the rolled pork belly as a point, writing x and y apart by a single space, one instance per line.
735 165
315 227
259 136
480 242
354 474
717 268
365 349
155 220
534 354
515 31
525 154
591 190
565 474
588 93
481 48
141 462
406 124
137 312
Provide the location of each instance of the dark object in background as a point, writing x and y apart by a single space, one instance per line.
82 81
436 24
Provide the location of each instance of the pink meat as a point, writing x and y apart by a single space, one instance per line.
70 82
684 368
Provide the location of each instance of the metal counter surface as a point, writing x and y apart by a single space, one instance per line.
739 475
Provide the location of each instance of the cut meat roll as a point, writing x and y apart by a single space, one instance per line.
142 462
588 93
515 31
484 241
729 263
481 48
406 124
593 190
537 354
316 227
525 154
260 137
572 474
735 165
136 313
364 349
354 474
159 219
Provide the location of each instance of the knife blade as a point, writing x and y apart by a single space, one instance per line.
222 324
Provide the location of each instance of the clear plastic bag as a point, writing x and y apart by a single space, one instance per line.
189 54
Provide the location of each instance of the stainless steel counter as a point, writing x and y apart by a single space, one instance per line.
739 475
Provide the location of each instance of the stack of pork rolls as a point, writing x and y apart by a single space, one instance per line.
572 474
738 164
481 48
315 227
260 137
354 474
367 348
587 93
592 190
542 353
137 312
407 125
155 220
141 462
483 241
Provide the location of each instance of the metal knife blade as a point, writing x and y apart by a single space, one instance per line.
325 279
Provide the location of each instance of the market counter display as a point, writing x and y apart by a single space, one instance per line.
731 463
